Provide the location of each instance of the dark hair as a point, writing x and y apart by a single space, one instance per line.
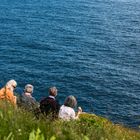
70 101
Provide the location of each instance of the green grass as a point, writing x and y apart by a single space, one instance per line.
17 124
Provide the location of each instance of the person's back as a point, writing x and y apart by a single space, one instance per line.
66 111
27 101
49 106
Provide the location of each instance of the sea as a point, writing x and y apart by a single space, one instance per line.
86 48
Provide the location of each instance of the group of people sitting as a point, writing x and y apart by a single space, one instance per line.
48 107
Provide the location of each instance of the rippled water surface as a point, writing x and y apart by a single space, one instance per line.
87 48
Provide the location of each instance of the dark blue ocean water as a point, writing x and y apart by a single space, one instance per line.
87 48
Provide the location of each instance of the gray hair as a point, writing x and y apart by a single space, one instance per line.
11 84
70 101
53 91
29 88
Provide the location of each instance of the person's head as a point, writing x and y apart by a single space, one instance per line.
29 88
11 84
70 101
53 91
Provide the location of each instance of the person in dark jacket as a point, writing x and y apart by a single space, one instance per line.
27 101
49 106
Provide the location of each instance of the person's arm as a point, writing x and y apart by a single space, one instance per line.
78 113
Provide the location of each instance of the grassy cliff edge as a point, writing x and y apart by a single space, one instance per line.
17 124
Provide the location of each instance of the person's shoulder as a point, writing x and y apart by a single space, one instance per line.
62 107
51 99
66 107
44 99
70 109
